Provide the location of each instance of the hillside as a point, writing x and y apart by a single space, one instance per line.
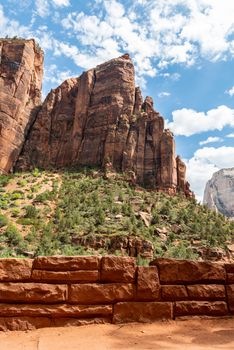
86 212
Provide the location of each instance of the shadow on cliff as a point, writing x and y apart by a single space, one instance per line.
16 154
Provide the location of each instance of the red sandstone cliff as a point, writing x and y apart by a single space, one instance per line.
98 119
101 119
21 69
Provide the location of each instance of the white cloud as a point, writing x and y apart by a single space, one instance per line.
188 122
164 94
61 3
211 139
12 28
230 135
42 8
204 163
156 33
230 92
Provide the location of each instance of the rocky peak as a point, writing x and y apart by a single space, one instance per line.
219 192
96 119
21 69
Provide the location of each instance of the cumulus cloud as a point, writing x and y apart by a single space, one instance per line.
211 139
230 135
230 92
204 163
188 122
156 33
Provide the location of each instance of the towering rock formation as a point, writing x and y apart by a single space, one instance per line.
21 72
219 192
98 119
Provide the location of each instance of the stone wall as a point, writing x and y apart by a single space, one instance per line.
63 291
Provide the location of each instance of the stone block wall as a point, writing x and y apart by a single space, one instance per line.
63 291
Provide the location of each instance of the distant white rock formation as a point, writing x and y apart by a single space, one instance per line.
219 192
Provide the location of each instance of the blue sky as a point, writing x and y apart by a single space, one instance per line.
183 51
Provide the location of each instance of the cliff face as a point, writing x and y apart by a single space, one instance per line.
100 119
219 192
20 95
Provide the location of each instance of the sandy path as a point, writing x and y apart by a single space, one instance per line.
176 335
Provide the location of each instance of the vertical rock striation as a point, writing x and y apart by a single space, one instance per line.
100 119
219 192
21 70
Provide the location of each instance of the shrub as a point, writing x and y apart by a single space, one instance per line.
3 220
12 235
31 212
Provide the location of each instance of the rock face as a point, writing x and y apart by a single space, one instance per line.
21 72
98 119
219 192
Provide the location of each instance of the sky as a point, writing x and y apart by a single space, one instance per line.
183 52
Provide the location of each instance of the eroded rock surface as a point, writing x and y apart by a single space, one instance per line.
98 119
21 69
219 192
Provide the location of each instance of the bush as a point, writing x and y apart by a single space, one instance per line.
12 235
3 220
31 212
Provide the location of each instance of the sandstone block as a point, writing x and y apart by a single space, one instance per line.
67 263
118 269
208 308
187 271
173 293
230 296
148 286
230 278
65 277
61 310
24 323
32 292
142 311
100 293
229 268
207 292
74 322
15 269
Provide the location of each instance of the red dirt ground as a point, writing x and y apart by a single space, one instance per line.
195 334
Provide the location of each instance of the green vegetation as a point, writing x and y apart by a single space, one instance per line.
74 212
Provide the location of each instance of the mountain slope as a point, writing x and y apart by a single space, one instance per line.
87 211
